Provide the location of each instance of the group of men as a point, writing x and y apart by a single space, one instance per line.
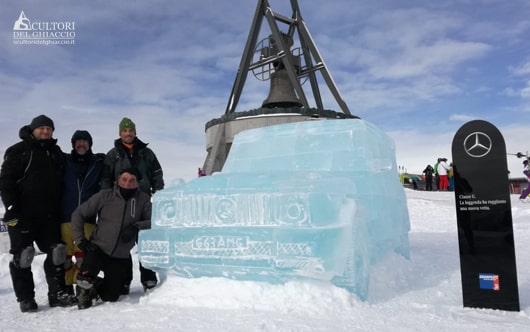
84 207
442 174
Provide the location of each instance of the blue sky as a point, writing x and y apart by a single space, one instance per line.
417 69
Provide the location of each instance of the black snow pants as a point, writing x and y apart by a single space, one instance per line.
46 234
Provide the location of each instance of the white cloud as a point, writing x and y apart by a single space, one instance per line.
461 117
521 70
525 92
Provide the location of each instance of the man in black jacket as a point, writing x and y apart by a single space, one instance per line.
130 152
30 187
82 179
428 171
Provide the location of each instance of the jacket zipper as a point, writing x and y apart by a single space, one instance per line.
121 228
80 185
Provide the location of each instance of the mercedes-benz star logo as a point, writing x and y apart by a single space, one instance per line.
477 144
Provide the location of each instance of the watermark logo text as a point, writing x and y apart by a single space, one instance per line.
26 32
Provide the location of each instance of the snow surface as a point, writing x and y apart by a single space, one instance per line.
422 294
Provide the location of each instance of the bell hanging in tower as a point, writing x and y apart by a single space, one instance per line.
281 93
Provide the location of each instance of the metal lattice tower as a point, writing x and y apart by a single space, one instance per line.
312 58
286 68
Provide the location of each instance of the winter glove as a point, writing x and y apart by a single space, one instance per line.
10 217
87 246
129 234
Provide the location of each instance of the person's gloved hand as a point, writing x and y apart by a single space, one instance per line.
10 217
86 246
129 234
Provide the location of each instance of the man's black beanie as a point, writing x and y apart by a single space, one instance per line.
82 134
40 121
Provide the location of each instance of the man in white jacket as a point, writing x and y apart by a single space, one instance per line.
443 168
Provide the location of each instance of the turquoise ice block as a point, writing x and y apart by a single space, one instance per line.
307 200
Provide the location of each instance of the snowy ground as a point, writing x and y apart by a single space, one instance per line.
423 294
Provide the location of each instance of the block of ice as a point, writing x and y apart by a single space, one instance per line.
316 199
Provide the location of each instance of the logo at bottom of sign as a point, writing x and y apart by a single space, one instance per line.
489 281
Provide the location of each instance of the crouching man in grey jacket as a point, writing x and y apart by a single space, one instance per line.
119 213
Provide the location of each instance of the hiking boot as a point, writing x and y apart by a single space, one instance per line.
85 297
61 299
148 284
28 305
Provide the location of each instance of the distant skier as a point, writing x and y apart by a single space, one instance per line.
525 193
428 171
442 170
201 172
436 175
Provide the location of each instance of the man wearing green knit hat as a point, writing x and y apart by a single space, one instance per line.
127 123
130 152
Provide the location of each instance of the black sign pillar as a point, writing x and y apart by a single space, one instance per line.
483 210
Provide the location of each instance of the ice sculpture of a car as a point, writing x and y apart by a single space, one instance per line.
317 199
